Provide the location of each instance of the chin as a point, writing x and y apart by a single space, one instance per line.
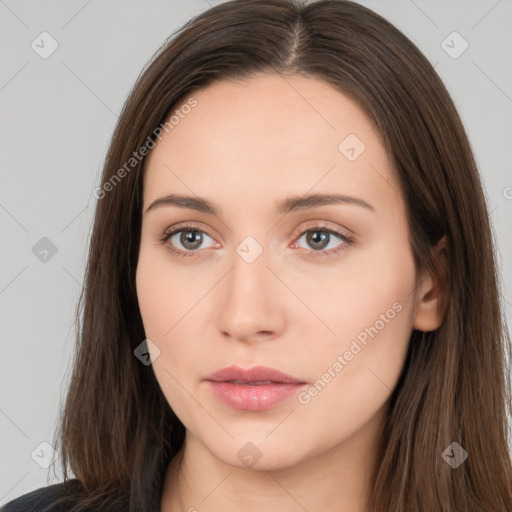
259 454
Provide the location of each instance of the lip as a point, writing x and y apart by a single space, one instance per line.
252 389
254 374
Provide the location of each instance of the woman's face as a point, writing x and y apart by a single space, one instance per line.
280 275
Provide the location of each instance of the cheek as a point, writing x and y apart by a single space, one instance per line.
353 378
171 303
377 278
165 293
150 294
163 305
368 306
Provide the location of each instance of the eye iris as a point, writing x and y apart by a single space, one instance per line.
318 237
189 237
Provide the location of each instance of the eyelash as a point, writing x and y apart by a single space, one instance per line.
348 241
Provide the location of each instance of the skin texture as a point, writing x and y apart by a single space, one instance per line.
244 147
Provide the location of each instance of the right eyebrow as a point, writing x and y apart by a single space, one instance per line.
192 203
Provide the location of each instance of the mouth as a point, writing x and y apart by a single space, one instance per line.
257 375
245 383
252 389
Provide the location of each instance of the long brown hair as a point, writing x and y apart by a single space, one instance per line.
116 429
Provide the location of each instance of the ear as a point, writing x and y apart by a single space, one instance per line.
430 296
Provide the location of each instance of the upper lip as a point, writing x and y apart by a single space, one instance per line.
254 374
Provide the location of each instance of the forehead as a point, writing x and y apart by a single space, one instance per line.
270 134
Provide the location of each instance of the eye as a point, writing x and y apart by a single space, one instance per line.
189 237
320 237
317 236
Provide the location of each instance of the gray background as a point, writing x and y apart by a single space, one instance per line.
57 115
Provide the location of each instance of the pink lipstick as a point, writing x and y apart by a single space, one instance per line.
254 389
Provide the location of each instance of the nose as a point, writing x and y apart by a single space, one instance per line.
251 301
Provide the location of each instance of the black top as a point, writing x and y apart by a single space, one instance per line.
143 494
65 496
50 499
39 500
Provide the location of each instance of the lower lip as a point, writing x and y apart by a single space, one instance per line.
253 398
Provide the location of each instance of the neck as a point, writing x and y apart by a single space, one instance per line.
337 479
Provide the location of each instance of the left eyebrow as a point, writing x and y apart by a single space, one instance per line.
290 204
305 202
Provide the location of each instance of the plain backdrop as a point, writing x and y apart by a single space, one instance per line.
57 114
